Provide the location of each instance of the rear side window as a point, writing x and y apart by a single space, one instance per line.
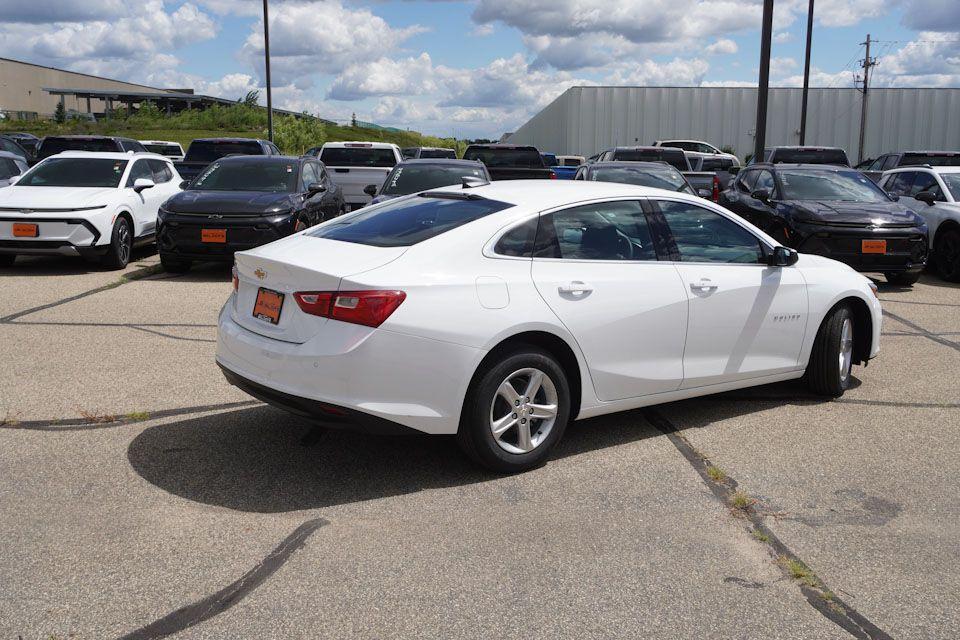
518 242
702 235
600 231
357 157
405 222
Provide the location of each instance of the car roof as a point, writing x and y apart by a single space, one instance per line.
627 164
645 147
453 162
804 146
110 155
243 157
365 143
85 137
159 142
798 165
228 140
547 194
924 167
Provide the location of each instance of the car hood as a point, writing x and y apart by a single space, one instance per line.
56 197
230 202
867 213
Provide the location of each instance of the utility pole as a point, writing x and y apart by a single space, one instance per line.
866 63
266 51
766 35
806 77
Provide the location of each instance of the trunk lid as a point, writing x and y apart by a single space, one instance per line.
299 263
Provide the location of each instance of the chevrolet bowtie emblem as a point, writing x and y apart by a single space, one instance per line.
260 273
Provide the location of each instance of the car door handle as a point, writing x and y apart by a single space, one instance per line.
705 284
576 286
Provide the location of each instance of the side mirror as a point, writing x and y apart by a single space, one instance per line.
926 196
315 187
783 257
142 184
705 193
893 196
370 190
763 195
184 184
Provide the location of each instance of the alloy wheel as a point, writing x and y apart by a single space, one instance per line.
523 410
846 350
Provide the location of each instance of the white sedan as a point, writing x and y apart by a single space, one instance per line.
502 311
84 203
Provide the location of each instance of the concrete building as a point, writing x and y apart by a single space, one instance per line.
585 120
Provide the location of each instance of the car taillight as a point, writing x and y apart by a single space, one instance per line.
716 189
236 279
553 175
370 308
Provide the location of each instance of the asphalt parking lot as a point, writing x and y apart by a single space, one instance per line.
141 496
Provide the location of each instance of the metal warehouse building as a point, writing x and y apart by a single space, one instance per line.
585 120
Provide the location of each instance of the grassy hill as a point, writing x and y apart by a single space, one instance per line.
292 135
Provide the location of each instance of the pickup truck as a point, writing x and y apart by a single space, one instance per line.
673 156
874 167
356 165
203 151
510 162
804 155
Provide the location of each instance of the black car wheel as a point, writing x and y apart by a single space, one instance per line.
946 254
174 265
903 278
828 371
515 412
121 245
6 259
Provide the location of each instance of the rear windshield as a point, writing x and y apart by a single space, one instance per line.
810 156
437 153
164 149
571 162
208 151
932 159
673 158
715 164
843 186
549 159
663 177
404 180
247 176
405 222
528 157
8 168
75 172
357 157
53 146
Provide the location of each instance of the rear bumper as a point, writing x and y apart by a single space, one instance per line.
371 376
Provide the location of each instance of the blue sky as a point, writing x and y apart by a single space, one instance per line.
474 67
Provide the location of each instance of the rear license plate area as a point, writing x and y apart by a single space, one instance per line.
268 305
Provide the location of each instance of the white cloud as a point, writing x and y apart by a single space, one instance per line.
932 15
678 73
780 66
48 11
845 13
722 46
482 30
384 77
402 112
782 37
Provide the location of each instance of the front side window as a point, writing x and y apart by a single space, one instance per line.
308 175
247 176
140 169
601 231
746 181
765 181
846 186
75 172
161 171
923 182
407 221
899 183
412 178
701 235
889 162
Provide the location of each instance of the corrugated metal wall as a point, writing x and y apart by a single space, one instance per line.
585 120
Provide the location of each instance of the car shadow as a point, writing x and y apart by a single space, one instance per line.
68 265
264 460
202 272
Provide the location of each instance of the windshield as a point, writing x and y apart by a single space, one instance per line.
248 176
53 146
849 186
664 177
932 159
8 168
209 150
407 221
358 157
522 157
810 156
952 180
164 149
75 172
404 180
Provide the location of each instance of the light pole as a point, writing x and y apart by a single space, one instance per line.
806 78
762 89
266 51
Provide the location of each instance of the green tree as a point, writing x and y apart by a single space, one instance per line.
60 114
353 121
252 99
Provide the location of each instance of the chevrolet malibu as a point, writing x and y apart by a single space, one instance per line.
501 312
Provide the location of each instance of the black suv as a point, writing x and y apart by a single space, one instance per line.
671 155
835 212
241 202
52 145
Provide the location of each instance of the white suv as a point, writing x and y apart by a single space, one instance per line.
934 193
87 204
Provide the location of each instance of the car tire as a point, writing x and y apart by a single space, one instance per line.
903 278
121 245
946 254
173 265
7 259
831 360
523 442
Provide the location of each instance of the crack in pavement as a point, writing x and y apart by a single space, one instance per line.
816 592
930 304
86 424
215 604
800 400
925 333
